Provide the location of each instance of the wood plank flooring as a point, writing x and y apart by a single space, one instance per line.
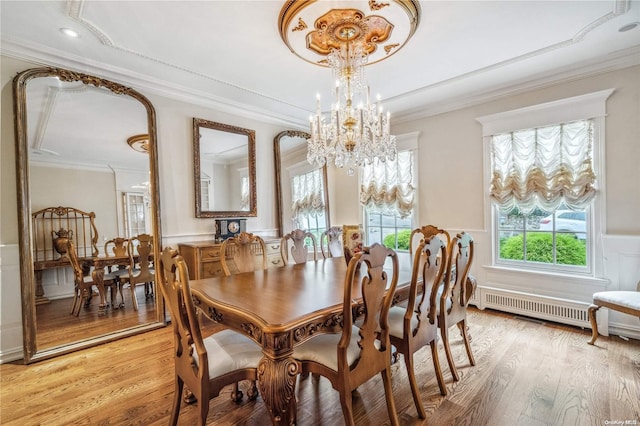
56 326
526 374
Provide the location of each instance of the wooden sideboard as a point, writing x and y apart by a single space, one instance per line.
203 257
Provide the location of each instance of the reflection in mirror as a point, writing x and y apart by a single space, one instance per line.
224 170
86 164
301 188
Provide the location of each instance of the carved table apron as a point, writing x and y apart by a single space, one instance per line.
279 309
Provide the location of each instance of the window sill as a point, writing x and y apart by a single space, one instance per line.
598 282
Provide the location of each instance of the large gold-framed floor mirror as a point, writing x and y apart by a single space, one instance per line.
87 172
291 169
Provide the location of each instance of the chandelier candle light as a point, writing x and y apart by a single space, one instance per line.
352 136
346 37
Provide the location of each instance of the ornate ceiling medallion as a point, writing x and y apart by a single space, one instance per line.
380 27
139 143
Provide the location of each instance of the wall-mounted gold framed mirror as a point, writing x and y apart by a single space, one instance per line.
71 151
301 188
224 165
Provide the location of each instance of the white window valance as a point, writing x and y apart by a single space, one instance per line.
544 167
307 194
387 188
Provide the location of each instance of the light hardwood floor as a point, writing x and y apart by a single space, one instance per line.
526 374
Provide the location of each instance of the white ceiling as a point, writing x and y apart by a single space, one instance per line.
230 53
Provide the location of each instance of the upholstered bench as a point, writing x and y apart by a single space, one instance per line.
627 302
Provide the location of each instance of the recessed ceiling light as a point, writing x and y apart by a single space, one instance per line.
628 27
69 32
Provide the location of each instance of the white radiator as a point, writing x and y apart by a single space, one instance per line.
542 307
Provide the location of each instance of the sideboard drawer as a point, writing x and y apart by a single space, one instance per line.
210 253
211 269
203 257
273 247
274 260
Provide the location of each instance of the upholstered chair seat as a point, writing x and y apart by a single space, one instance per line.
627 302
322 349
233 351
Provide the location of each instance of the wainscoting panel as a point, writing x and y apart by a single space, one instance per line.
10 304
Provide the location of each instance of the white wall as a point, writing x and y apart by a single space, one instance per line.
174 120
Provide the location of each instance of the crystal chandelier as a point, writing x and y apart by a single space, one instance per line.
356 131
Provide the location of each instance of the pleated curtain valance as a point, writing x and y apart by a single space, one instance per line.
307 194
387 187
544 167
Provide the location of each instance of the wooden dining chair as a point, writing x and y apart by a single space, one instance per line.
140 270
425 232
295 242
361 351
332 238
627 302
454 297
239 253
117 246
83 283
207 365
416 326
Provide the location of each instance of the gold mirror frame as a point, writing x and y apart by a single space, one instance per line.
277 154
199 123
27 277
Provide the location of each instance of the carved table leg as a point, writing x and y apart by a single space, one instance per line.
277 382
40 297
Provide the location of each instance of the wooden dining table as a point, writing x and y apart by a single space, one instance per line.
279 309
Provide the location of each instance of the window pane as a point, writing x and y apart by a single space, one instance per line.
388 220
551 238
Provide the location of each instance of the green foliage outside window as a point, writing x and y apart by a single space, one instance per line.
403 240
570 250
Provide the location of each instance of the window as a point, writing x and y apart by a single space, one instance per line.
543 168
135 213
544 238
543 180
390 230
205 191
308 206
244 193
388 195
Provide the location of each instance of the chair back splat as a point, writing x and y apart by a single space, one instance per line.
294 244
241 253
425 232
361 351
454 298
204 365
141 270
416 326
332 239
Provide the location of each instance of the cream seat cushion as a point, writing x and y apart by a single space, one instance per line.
323 349
628 299
229 351
396 321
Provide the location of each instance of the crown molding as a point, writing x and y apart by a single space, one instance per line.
580 70
38 54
